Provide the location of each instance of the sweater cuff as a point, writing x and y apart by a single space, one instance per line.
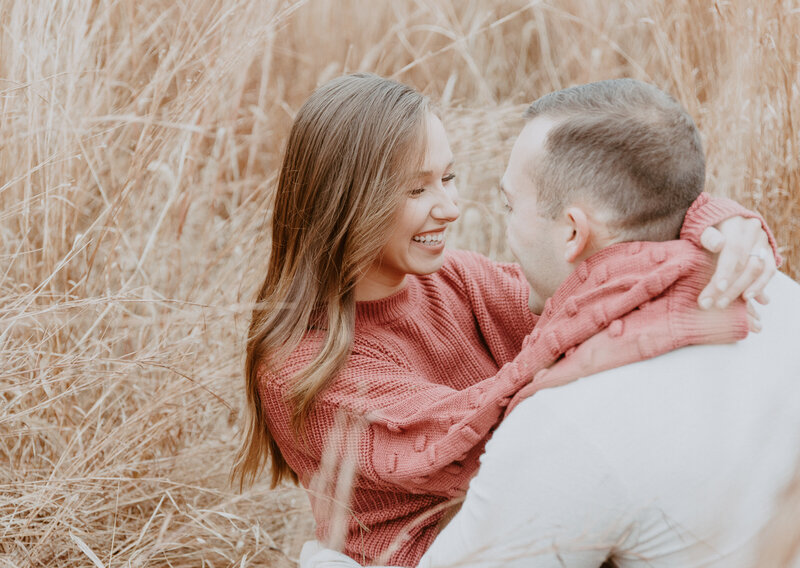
697 327
690 325
707 211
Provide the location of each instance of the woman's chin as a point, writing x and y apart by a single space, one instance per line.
429 266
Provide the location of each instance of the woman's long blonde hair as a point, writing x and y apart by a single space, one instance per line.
350 151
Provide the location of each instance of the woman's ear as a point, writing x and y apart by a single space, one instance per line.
579 234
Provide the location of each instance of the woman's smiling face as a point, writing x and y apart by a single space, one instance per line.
416 243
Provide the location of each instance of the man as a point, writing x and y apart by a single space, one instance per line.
673 461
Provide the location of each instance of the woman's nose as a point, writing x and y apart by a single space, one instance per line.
446 208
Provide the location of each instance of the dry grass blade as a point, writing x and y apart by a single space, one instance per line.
138 145
87 551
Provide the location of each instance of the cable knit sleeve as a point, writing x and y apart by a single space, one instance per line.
415 433
707 211
498 296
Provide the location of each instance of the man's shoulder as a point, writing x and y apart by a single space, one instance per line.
711 424
780 318
690 379
784 293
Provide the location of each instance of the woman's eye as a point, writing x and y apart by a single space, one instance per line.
417 191
448 178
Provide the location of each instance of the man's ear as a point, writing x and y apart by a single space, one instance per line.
579 233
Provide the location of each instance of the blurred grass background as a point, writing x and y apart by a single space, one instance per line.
139 141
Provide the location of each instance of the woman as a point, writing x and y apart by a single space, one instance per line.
377 365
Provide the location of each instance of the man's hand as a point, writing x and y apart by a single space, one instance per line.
745 263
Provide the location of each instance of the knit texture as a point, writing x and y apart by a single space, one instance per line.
641 298
707 211
427 358
399 432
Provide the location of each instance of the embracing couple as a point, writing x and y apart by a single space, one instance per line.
396 380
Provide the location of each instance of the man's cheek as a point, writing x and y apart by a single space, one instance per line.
518 255
512 242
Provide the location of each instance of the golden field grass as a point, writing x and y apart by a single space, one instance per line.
139 141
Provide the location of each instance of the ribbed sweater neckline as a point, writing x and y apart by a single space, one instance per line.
391 308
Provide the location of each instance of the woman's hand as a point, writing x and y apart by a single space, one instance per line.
745 263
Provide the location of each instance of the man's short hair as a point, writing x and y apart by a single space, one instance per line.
622 145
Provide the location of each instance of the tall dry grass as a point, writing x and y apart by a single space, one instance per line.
138 145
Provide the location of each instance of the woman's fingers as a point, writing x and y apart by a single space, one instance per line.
753 319
738 267
762 298
758 271
712 240
753 272
756 289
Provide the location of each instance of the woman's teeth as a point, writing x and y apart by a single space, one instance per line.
433 239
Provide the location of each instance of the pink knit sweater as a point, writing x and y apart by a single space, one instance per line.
400 430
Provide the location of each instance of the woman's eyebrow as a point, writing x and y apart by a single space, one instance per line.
428 173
